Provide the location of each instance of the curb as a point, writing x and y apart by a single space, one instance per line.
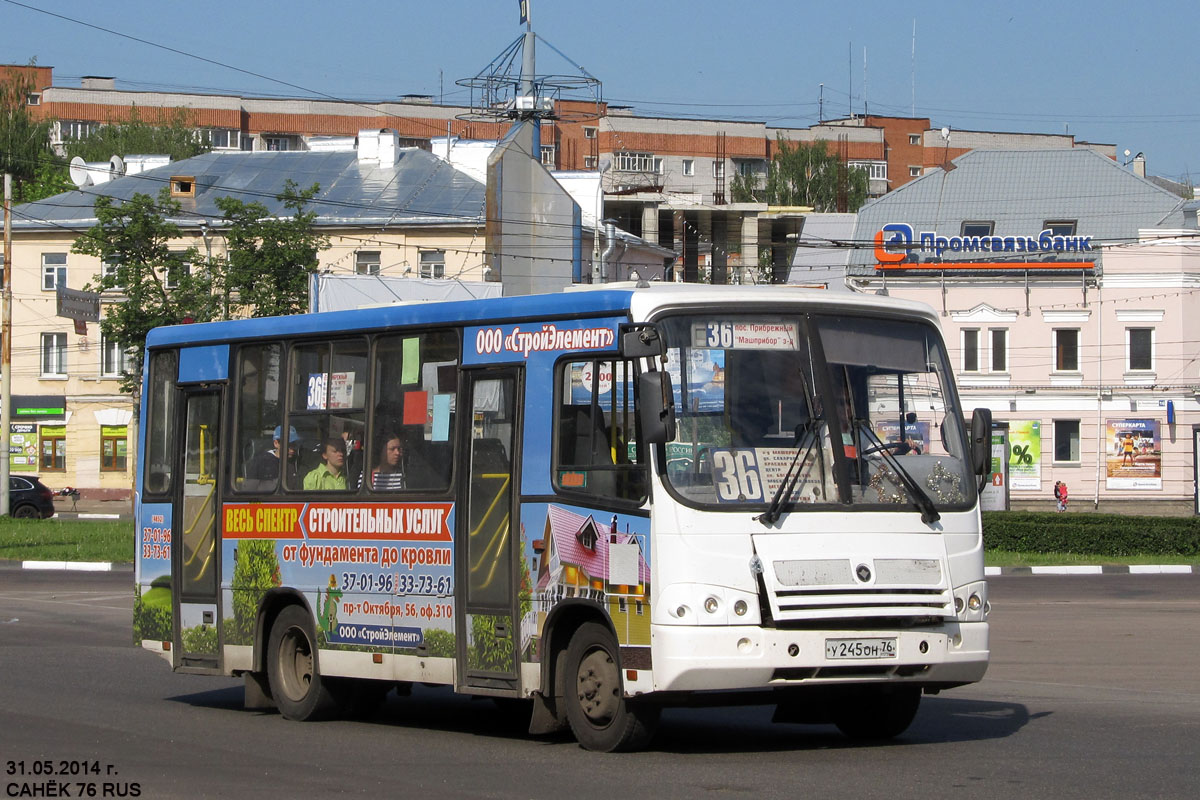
1097 569
78 566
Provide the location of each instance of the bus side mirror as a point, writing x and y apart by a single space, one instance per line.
641 341
656 407
981 440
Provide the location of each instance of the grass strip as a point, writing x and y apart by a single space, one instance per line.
66 540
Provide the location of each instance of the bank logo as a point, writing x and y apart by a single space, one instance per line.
893 242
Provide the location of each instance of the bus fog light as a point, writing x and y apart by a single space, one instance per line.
974 603
744 645
711 605
987 606
958 604
923 647
739 608
680 612
793 650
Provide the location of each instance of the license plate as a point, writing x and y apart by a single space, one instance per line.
860 648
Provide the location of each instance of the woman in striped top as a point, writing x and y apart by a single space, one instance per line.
389 475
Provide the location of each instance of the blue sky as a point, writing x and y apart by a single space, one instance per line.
1108 72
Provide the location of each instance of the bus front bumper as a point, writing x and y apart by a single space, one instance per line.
696 658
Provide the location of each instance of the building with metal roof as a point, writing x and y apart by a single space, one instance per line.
1067 287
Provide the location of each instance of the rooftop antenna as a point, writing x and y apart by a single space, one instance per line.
510 87
914 69
866 110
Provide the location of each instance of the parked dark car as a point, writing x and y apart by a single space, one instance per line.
29 498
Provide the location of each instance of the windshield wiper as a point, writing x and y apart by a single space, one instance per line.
929 512
788 484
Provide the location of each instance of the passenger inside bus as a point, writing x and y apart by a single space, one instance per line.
388 475
262 471
330 474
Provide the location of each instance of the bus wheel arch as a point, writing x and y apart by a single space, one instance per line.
293 667
593 698
272 603
563 620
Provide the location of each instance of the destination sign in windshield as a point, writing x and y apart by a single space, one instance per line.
746 334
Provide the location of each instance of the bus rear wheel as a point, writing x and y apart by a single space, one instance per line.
878 712
296 684
601 718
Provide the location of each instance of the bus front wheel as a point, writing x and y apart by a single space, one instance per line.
601 718
878 713
296 684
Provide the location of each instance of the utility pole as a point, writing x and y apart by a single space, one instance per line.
6 349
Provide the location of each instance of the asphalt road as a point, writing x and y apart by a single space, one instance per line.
1092 693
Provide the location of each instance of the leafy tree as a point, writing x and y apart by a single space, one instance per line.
804 174
24 141
175 137
134 237
270 258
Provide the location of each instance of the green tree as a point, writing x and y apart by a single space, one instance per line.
134 237
804 174
24 141
175 137
270 257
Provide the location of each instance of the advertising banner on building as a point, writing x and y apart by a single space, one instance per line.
995 493
1025 454
22 447
1133 454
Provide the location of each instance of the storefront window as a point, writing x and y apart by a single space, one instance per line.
54 448
114 445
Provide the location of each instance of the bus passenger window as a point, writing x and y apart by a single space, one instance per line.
327 409
416 380
161 447
260 440
596 450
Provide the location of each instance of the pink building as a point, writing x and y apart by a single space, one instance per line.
1068 290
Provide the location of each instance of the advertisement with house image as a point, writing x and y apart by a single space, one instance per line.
571 552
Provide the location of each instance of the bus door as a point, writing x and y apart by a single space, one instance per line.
197 553
486 621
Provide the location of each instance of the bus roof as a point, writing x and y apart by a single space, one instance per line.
576 302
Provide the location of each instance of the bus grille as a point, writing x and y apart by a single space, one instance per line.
828 589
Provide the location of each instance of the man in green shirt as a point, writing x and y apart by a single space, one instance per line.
330 474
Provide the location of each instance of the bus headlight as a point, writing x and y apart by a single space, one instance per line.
970 602
722 605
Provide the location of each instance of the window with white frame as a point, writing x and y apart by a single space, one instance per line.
221 138
178 269
914 172
914 138
366 262
1060 227
54 271
54 354
1139 349
634 162
1066 441
689 167
114 359
876 170
1066 349
433 263
76 129
589 133
999 360
589 162
718 168
970 350
548 153
277 143
749 167
108 269
33 99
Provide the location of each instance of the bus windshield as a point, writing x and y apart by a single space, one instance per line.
816 409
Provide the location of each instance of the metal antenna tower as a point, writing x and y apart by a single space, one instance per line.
510 88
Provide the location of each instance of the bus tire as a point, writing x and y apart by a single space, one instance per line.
296 683
877 712
601 718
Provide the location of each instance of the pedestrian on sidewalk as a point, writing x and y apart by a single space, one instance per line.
1060 492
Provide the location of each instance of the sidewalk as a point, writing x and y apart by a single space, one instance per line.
64 508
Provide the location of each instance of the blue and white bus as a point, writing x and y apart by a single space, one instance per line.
605 501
